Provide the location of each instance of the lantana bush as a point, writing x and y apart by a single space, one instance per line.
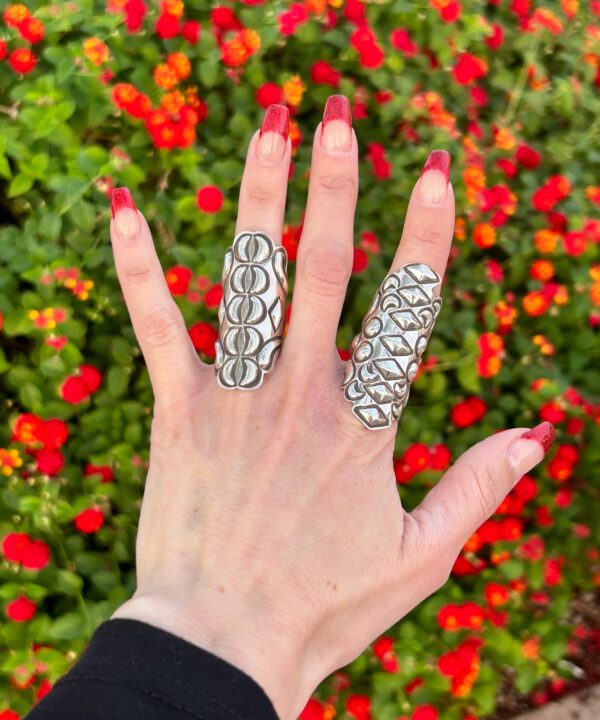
162 97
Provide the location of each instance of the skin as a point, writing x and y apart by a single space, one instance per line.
271 530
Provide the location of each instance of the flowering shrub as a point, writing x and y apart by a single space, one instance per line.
163 97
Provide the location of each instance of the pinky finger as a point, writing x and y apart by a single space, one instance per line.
173 364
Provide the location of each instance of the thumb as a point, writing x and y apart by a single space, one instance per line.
472 489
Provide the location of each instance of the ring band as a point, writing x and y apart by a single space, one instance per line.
252 311
386 353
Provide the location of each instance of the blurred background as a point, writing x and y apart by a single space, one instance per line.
163 97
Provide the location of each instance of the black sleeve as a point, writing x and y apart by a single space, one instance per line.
131 670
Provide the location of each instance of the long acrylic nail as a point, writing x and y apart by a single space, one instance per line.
435 176
336 128
124 212
274 132
530 448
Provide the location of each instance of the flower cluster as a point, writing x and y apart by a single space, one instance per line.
163 97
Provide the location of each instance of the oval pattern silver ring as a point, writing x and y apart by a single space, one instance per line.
252 311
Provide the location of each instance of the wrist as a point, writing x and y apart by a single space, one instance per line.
265 653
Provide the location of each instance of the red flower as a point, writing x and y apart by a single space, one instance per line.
469 68
32 30
191 31
496 594
209 199
28 429
9 715
359 706
528 157
425 712
440 457
89 521
360 261
402 41
552 412
54 433
213 296
49 462
3 52
22 60
322 73
496 39
268 94
383 648
532 549
382 169
467 412
36 556
135 12
417 457
204 337
105 472
313 710
178 279
73 390
553 570
449 10
14 546
21 610
167 26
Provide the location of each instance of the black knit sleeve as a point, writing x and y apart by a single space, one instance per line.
131 670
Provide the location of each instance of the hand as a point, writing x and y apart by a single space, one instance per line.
271 531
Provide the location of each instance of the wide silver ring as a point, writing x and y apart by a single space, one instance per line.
252 311
386 353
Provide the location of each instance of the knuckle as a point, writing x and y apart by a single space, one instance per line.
326 269
337 184
480 484
136 274
263 193
161 326
424 233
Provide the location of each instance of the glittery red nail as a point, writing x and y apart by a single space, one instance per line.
438 160
337 107
121 198
277 119
544 433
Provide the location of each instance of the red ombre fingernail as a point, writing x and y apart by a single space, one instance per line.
121 198
435 176
274 132
544 434
336 128
124 212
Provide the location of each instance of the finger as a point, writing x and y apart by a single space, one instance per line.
473 488
173 364
264 182
429 224
325 254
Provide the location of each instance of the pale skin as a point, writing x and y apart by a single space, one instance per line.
271 532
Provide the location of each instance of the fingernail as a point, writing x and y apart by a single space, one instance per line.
435 176
530 448
274 133
336 128
124 212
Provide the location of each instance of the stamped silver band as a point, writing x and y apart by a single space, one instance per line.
386 353
252 311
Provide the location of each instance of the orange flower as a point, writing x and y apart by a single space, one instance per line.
506 315
460 228
561 296
570 8
484 235
531 648
234 52
474 179
95 50
544 17
172 102
180 64
165 77
250 39
595 294
504 139
316 7
15 14
172 7
535 303
542 270
546 347
546 240
293 90
592 192
9 459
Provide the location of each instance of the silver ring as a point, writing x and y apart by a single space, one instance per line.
386 353
252 311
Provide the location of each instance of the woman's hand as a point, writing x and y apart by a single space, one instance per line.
271 530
